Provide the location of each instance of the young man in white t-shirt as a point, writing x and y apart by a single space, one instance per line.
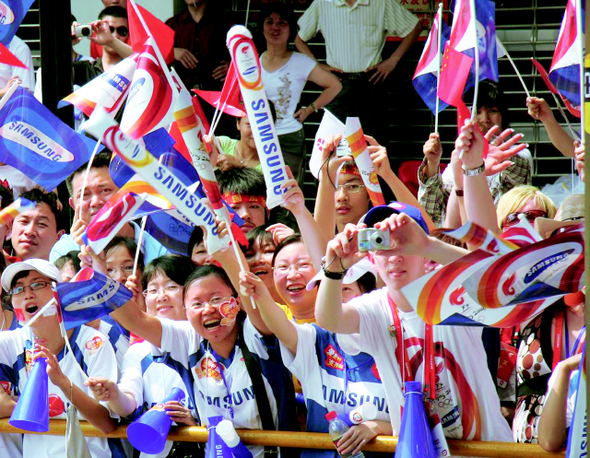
465 397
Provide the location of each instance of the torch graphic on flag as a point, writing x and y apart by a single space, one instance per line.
362 158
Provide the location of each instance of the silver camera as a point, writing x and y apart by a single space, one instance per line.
371 239
343 149
83 31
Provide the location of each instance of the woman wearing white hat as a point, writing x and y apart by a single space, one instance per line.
29 284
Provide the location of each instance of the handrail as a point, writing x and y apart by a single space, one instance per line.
311 440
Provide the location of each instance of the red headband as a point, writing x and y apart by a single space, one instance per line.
234 198
349 169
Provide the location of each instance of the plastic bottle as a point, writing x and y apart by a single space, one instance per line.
336 429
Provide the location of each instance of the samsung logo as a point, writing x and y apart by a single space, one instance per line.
544 264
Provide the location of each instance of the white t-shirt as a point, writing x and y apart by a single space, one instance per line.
331 379
284 86
96 358
193 356
466 398
27 75
149 379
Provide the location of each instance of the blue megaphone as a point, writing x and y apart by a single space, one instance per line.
215 445
415 438
148 434
31 412
225 430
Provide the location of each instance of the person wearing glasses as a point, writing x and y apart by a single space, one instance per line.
29 285
146 376
222 352
111 31
523 201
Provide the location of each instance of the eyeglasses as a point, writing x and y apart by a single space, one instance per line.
124 269
283 269
121 30
531 216
213 302
351 188
35 286
152 293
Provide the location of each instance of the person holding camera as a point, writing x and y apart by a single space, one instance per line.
399 245
111 31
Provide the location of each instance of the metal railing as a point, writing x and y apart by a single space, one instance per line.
322 441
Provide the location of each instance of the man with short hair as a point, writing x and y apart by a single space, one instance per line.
111 33
99 189
35 231
391 331
355 32
244 190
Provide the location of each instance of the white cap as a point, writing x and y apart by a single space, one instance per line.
225 430
354 273
40 265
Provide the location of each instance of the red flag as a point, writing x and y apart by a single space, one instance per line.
230 94
151 98
6 57
180 146
453 76
162 34
200 113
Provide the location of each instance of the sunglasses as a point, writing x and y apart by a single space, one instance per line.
531 216
121 30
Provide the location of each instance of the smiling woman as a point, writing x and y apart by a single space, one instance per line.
29 284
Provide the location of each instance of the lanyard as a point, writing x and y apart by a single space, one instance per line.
578 344
401 353
559 325
216 359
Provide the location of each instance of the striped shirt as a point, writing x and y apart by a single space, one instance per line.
355 36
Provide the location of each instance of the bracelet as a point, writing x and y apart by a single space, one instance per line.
313 106
474 172
458 192
333 275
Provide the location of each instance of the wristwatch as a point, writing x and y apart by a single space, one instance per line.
332 275
474 172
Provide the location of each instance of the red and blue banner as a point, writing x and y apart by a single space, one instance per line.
567 58
428 68
88 296
118 211
36 142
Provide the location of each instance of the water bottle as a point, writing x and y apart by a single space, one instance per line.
336 429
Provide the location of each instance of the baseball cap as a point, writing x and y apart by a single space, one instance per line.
380 212
353 274
40 265
570 213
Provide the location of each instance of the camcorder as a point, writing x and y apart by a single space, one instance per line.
370 239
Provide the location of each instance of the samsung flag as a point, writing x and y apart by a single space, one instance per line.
36 142
89 296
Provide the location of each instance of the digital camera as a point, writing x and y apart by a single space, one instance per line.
371 239
83 31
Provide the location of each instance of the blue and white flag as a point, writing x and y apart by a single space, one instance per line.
12 13
89 296
36 142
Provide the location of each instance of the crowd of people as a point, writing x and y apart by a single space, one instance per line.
317 322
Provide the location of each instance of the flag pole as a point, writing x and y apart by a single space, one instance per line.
476 57
11 90
499 44
580 40
139 242
439 38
